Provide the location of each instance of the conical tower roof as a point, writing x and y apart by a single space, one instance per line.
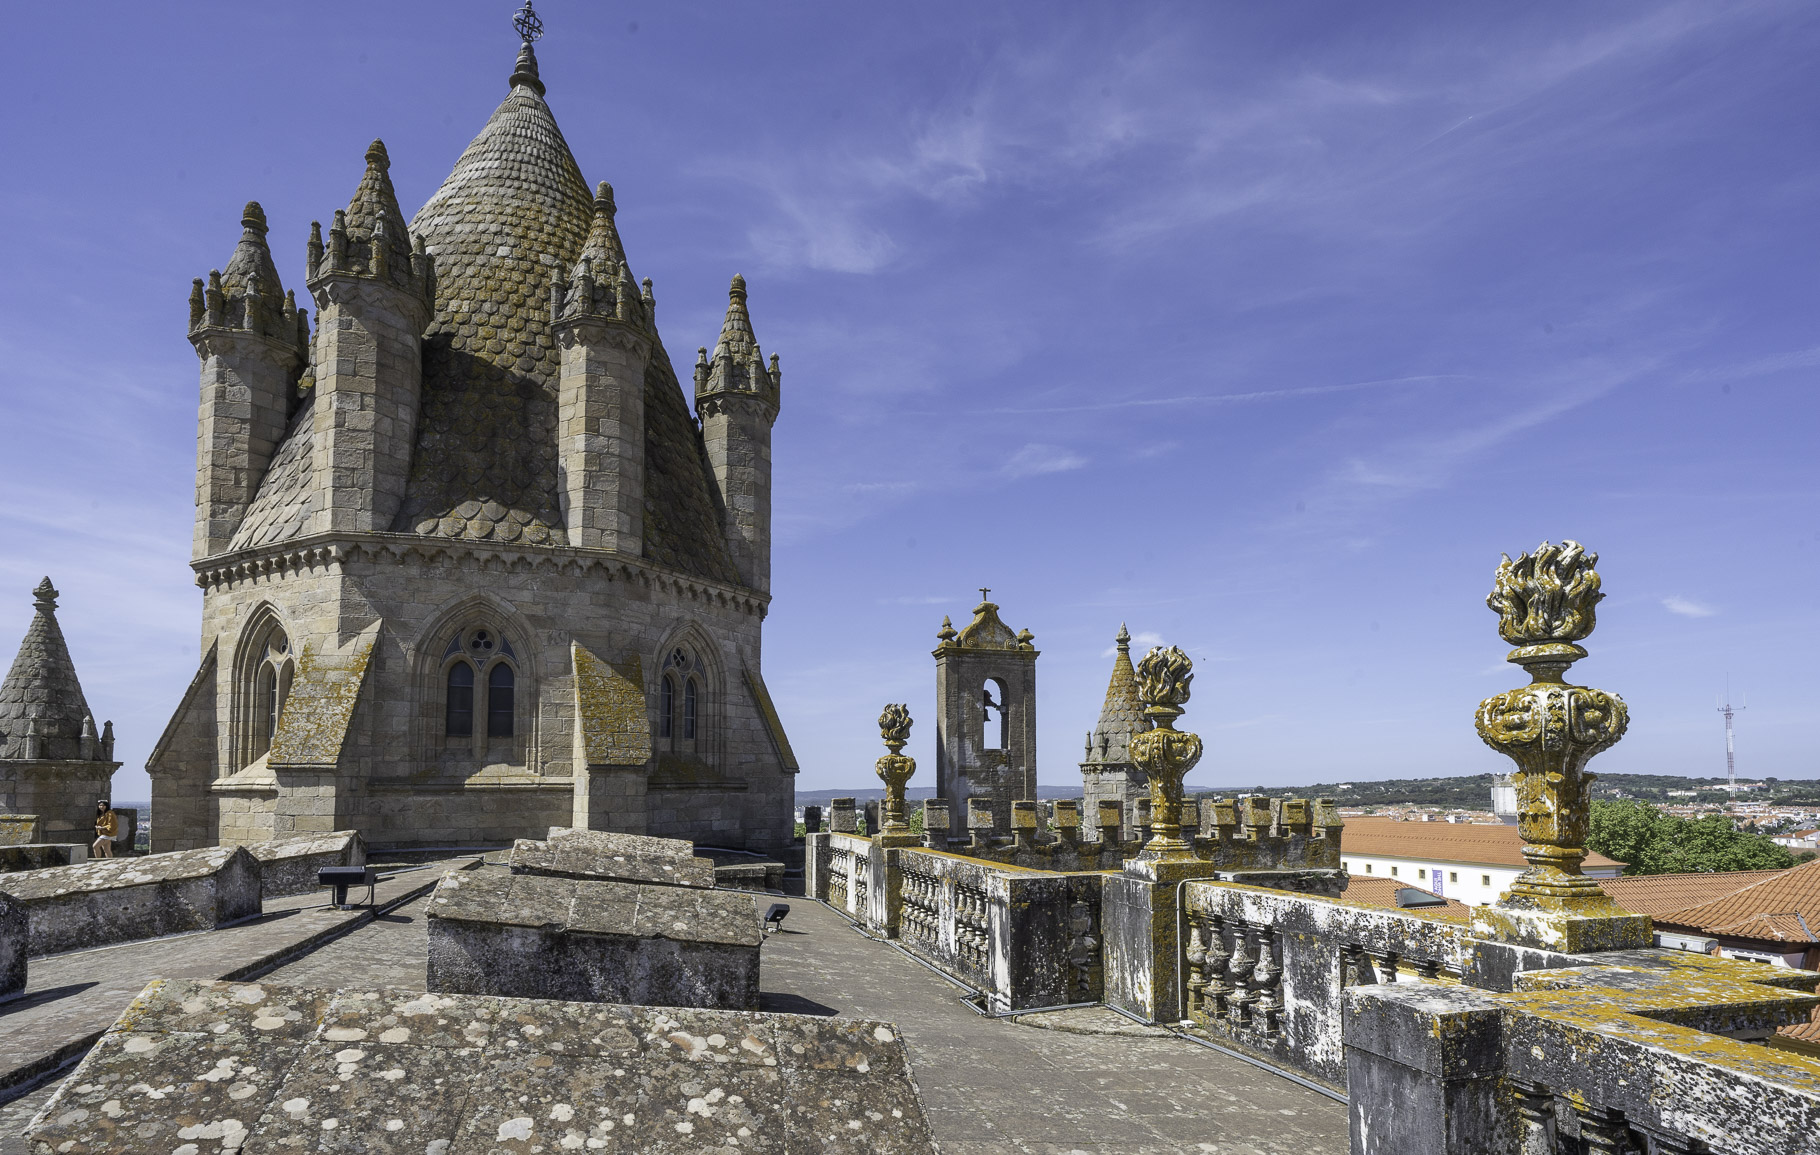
374 208
1122 715
514 209
42 687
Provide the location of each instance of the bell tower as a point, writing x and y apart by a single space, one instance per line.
985 696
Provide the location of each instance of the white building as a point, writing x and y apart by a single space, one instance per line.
1471 863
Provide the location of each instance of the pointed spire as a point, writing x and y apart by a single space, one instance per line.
42 711
737 364
601 284
524 74
1123 712
250 273
377 242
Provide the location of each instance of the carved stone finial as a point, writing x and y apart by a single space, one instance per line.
44 597
1551 729
1544 601
1163 753
253 217
377 157
1124 639
895 769
946 633
1163 677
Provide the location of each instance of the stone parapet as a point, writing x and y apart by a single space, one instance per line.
1648 1050
109 900
14 930
532 936
598 854
396 1071
288 866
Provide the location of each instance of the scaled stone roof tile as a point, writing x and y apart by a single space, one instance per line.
1122 715
287 500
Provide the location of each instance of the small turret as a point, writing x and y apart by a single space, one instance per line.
253 342
603 330
372 283
370 237
738 398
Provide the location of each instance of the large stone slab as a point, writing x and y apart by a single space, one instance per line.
13 924
109 900
600 854
210 1067
533 936
288 866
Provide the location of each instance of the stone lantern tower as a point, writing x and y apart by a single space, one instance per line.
985 691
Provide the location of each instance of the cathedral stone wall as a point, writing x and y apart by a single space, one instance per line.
397 776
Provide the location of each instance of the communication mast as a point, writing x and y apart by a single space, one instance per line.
1731 765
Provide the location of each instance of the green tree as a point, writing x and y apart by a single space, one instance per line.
1648 841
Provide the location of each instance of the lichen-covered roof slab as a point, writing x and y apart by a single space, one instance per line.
598 854
599 907
210 1067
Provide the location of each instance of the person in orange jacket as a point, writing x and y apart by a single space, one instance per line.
107 825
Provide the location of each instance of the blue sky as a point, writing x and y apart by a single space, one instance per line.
1264 328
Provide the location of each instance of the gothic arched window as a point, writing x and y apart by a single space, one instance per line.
682 711
480 689
271 687
502 685
458 715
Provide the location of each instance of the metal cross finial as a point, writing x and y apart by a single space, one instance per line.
984 590
528 25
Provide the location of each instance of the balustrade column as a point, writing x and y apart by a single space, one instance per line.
1240 969
1536 1120
1197 962
1603 1132
1666 1143
1386 962
1265 979
1427 969
1215 989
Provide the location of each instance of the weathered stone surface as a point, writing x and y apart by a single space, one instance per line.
229 1066
18 829
13 924
108 900
288 866
533 936
1637 1044
756 876
599 854
40 855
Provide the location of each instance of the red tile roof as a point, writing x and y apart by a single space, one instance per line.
1657 894
1379 891
1483 845
1781 908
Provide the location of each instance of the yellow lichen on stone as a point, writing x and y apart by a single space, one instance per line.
314 722
612 724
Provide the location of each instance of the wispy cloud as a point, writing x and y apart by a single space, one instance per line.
1687 607
1140 642
1035 460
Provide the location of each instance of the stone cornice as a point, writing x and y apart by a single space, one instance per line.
330 551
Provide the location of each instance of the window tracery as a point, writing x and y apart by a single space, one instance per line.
479 688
